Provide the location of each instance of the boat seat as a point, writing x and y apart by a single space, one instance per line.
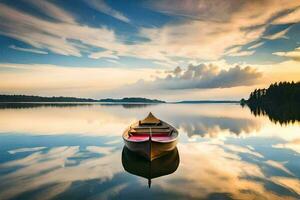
152 127
148 131
149 124
141 137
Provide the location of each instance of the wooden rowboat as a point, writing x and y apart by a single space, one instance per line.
151 137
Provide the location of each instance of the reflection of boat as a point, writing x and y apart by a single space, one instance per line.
150 137
139 166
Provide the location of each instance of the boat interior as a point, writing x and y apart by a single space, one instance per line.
150 127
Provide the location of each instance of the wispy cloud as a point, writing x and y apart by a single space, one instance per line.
256 45
52 11
54 36
242 53
103 7
237 51
103 54
215 27
112 61
234 49
279 166
224 11
22 150
293 145
28 50
278 35
295 54
291 17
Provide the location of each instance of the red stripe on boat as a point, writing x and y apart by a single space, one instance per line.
145 136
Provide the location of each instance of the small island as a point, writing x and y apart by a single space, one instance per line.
280 101
39 99
131 100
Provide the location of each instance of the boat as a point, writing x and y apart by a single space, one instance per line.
150 137
139 166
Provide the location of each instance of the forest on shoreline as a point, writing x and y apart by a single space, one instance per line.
280 101
33 99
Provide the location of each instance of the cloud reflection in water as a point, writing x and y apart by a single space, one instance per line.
75 153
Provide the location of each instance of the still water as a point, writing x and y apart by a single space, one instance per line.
76 152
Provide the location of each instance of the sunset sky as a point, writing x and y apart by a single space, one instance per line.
167 49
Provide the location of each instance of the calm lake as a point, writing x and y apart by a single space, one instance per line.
76 152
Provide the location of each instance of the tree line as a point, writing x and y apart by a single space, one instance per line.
280 101
30 98
282 92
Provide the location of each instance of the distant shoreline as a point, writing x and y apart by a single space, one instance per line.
90 103
40 99
27 99
74 102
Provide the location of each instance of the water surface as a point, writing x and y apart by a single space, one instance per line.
76 152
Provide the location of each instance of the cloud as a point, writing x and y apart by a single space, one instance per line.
256 45
295 54
227 176
237 51
278 35
232 50
177 40
240 149
204 76
215 126
52 11
117 82
101 82
54 36
291 17
44 79
112 61
103 7
224 11
103 54
54 171
242 53
22 150
207 29
28 50
292 184
292 145
203 10
80 122
279 166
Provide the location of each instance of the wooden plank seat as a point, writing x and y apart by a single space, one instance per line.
152 127
148 131
140 137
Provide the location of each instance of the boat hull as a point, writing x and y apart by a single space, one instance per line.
151 149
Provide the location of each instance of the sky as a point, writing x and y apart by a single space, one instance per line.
167 49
